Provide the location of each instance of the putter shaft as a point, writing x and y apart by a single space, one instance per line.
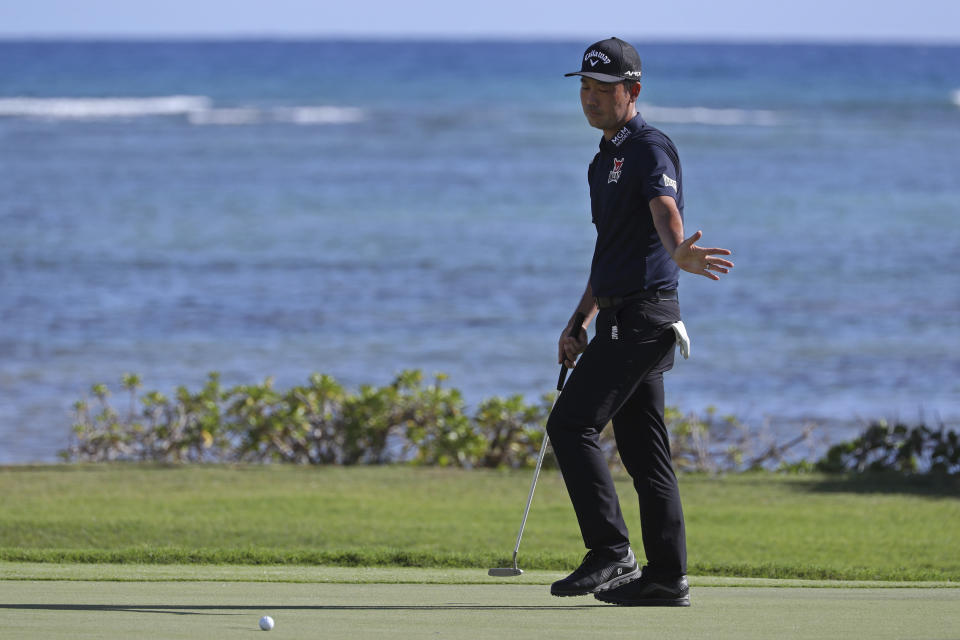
533 485
575 328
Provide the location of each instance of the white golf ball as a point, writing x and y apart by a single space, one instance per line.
266 623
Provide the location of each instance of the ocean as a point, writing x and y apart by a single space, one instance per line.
276 208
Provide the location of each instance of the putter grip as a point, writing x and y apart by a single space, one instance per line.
574 332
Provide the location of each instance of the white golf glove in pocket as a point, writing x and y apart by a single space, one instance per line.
683 340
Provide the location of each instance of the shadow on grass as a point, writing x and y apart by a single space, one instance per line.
879 482
195 610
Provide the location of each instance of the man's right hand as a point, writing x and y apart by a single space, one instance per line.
569 348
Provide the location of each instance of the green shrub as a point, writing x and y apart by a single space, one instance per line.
406 421
512 431
898 448
319 423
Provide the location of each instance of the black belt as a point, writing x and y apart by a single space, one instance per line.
658 294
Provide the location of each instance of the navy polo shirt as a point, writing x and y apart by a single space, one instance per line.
638 164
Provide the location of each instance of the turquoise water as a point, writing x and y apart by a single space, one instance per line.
278 208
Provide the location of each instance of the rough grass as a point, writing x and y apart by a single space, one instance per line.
752 525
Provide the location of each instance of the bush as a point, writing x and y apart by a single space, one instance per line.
512 431
405 421
320 423
899 448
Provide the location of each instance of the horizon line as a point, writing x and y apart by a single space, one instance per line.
731 39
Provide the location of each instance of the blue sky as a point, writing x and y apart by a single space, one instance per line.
843 20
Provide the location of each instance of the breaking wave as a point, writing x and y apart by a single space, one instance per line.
318 115
705 115
94 108
198 110
224 116
289 115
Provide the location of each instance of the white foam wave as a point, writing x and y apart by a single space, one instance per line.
236 116
318 115
708 116
956 97
198 110
95 108
285 115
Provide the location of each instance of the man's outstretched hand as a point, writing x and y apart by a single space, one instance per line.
701 260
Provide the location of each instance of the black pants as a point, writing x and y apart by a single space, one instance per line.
622 380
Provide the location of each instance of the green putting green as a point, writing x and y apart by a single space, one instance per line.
220 608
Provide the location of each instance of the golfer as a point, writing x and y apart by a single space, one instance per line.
636 195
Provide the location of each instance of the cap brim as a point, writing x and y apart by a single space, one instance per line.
601 77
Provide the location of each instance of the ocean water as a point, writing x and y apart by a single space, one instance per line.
358 208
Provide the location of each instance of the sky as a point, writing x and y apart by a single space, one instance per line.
922 21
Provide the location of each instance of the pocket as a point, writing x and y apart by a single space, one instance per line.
646 320
662 312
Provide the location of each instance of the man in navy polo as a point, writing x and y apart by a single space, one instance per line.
636 195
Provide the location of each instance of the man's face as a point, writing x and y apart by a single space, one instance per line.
607 105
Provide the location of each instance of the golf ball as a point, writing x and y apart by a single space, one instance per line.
266 623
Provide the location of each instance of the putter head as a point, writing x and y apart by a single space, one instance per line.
505 572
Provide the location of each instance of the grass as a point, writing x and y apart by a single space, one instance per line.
280 523
308 574
750 525
213 610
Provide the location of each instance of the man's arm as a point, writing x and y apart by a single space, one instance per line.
569 348
688 256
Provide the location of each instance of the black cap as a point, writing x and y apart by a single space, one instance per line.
610 60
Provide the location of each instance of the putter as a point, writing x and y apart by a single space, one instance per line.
506 572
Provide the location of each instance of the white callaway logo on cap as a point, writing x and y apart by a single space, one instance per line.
593 53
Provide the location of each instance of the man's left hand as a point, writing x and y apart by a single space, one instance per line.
701 260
